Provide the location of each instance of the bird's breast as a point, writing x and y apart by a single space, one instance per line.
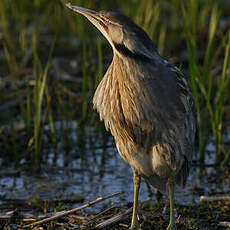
143 114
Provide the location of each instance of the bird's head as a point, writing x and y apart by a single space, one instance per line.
124 35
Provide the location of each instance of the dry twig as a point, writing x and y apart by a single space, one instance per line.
214 198
65 213
224 224
115 219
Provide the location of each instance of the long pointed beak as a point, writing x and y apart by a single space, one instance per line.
84 11
95 18
92 16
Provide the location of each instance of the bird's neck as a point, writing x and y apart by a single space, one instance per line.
124 53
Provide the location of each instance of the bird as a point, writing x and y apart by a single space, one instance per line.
147 105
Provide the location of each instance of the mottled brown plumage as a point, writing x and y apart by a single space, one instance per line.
146 104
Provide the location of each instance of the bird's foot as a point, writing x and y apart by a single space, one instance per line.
135 225
171 227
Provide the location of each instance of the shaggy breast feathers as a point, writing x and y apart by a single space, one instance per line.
143 111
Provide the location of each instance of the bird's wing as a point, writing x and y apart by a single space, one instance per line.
157 103
151 96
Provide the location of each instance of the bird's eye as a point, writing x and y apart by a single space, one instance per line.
104 13
105 16
105 19
104 25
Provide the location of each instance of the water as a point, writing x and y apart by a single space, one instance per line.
91 169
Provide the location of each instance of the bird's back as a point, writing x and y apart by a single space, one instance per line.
148 108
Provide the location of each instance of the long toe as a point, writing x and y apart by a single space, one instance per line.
172 227
135 226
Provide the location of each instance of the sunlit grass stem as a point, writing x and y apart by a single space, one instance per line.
39 91
21 22
201 75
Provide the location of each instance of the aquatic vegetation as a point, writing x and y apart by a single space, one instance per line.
51 63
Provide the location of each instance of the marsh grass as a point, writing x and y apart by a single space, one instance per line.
40 89
27 30
210 91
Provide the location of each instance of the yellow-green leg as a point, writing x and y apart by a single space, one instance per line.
136 182
158 195
172 224
149 189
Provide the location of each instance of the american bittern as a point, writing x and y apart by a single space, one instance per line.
146 104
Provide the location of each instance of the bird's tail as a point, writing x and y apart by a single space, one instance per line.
156 182
182 175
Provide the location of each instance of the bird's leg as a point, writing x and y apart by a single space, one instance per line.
136 182
172 224
149 189
158 195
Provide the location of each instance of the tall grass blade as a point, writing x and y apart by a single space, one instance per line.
40 85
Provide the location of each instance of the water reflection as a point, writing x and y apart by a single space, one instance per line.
89 168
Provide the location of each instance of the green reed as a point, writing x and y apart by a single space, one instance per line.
190 16
40 89
40 79
25 21
100 73
209 90
222 95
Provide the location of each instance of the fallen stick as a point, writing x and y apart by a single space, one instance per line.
93 219
7 215
65 213
76 199
115 219
101 213
28 220
214 198
224 224
81 218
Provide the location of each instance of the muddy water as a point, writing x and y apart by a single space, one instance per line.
90 170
